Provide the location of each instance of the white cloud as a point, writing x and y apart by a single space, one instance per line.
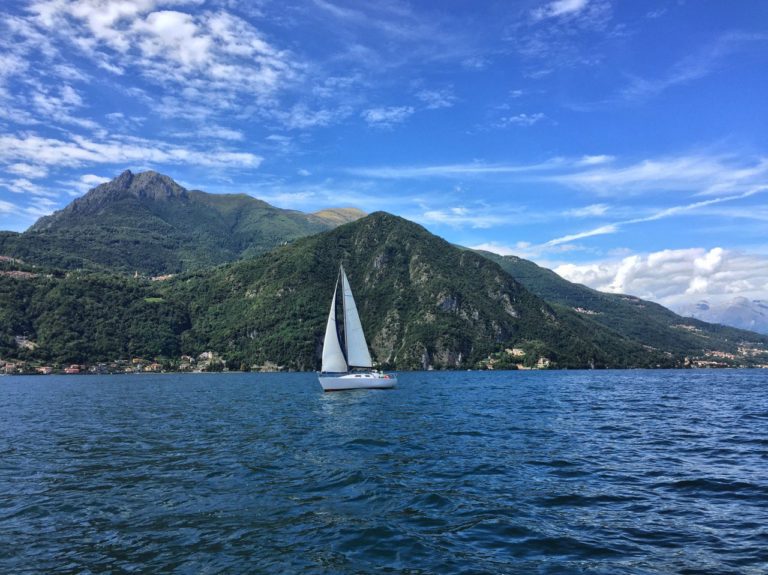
602 230
58 105
693 67
757 213
563 34
384 35
279 144
675 210
525 250
587 211
310 197
452 170
7 207
726 179
561 168
213 132
677 277
705 174
28 170
12 65
40 206
23 186
87 182
496 248
208 51
560 8
385 117
463 216
520 120
436 99
78 151
658 215
596 160
301 117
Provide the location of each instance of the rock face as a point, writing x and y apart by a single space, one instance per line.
150 186
147 222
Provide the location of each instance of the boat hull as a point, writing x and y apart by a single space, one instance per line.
340 382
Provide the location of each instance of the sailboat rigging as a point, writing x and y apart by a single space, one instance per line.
346 361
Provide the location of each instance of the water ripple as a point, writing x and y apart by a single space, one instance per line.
453 473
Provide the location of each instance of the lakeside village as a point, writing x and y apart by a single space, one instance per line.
208 361
205 362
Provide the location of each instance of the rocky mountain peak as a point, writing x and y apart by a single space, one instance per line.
149 185
143 186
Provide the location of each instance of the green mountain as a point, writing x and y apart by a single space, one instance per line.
645 322
148 223
424 303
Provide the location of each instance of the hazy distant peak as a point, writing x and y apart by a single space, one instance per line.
739 311
338 216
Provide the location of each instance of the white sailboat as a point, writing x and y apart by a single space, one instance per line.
347 364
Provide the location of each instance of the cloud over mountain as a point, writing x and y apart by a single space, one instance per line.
675 277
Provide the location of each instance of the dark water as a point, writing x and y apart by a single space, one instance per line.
548 472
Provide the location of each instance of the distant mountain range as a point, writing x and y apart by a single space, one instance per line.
738 312
644 321
424 302
148 223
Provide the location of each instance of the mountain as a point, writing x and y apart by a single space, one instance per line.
339 216
639 320
148 223
738 312
424 303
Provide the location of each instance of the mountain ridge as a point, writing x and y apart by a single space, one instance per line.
147 222
424 304
250 275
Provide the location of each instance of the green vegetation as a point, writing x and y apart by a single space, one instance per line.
88 317
424 303
148 223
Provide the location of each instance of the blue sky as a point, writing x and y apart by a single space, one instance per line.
622 143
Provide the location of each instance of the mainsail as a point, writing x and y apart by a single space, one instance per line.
357 348
357 355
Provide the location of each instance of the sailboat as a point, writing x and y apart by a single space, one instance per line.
347 364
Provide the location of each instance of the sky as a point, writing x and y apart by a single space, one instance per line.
622 143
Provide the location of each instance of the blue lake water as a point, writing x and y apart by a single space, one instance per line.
643 472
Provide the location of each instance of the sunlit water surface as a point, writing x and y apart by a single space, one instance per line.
539 472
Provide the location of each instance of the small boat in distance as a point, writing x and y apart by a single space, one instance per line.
347 364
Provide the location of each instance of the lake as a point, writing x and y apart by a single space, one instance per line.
642 472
